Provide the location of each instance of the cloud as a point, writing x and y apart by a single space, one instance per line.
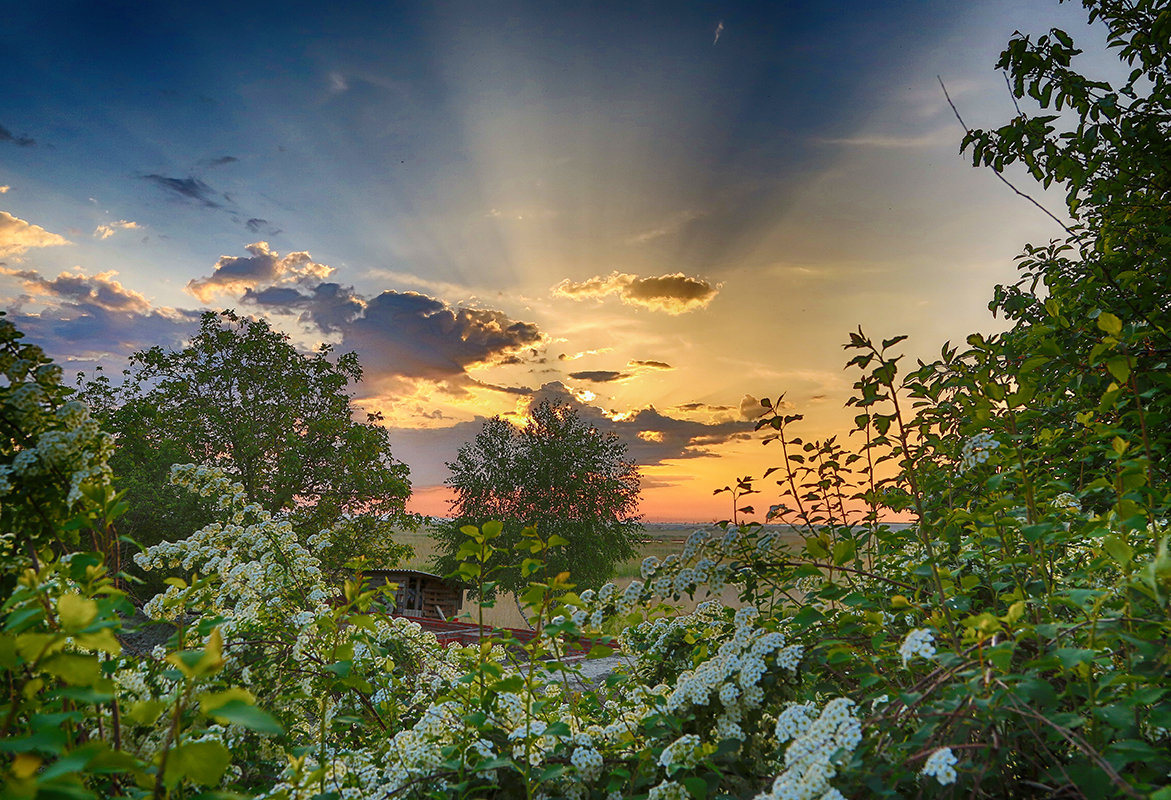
702 407
413 335
750 408
327 306
17 236
106 231
672 225
650 436
395 334
650 364
583 354
95 318
258 225
222 160
237 274
20 141
674 294
100 291
598 375
190 189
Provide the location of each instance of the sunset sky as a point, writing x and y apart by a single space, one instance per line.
657 211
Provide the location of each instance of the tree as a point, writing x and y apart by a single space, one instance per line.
1092 311
556 473
241 397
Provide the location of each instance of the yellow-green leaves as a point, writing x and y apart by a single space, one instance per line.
75 612
72 668
238 706
1110 323
197 663
202 763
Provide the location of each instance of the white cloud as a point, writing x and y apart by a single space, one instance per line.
106 231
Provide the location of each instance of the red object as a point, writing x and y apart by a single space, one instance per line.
471 633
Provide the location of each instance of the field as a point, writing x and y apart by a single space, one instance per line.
659 539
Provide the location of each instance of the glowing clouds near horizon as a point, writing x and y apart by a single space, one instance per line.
674 294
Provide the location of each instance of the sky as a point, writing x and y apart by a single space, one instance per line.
657 212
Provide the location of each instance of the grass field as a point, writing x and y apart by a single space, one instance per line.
659 539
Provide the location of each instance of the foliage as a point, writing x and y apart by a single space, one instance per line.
557 473
241 397
1012 639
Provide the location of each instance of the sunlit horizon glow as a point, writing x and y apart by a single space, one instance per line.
492 206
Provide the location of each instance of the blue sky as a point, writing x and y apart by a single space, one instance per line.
654 210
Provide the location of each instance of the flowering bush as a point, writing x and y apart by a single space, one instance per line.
1012 638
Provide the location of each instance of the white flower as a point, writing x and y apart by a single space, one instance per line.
680 752
919 642
977 450
941 766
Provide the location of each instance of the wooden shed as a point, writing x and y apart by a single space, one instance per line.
419 594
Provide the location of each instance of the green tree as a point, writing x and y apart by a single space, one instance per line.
241 397
556 473
1092 310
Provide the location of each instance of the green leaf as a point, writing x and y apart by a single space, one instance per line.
248 716
72 668
1118 550
1119 367
210 701
1070 657
202 763
844 551
1110 323
696 787
144 712
75 612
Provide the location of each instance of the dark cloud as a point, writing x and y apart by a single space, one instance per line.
651 436
20 141
258 225
673 294
88 331
410 334
518 390
190 189
702 407
327 306
222 160
650 364
598 375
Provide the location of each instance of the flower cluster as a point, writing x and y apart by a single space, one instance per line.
919 642
818 747
941 766
977 450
